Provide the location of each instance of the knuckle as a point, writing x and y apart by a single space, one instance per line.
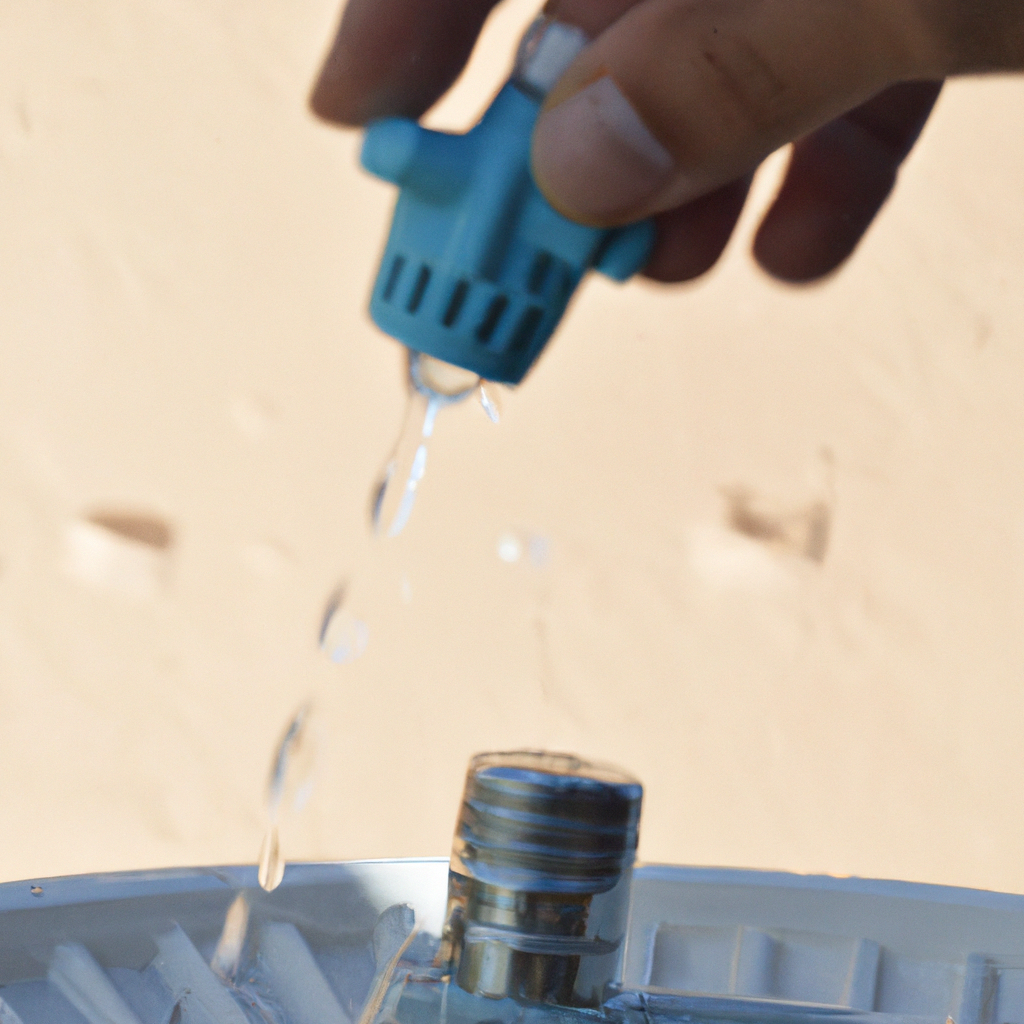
734 84
744 79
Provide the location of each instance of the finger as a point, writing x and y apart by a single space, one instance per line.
395 57
679 97
838 179
977 36
593 16
692 237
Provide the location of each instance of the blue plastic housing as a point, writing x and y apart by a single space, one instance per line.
479 267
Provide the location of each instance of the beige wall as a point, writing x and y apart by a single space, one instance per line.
184 264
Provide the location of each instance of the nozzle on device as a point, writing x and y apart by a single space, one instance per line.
478 267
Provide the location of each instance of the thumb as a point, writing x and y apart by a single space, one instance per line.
679 97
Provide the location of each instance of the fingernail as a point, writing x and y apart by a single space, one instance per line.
595 158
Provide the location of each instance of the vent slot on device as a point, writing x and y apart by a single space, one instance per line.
492 318
419 289
455 303
397 266
526 329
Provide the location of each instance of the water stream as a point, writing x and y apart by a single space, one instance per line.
433 385
343 637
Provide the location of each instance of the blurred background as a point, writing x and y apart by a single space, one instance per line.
764 547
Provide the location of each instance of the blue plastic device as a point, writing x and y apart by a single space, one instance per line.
479 267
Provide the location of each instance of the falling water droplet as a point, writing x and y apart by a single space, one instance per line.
271 867
288 772
445 380
228 954
407 496
343 637
433 385
510 548
489 402
513 544
290 744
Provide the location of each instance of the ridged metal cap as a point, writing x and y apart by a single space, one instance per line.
545 822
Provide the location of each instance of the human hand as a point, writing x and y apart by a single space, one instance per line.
676 102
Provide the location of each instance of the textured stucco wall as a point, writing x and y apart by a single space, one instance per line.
785 582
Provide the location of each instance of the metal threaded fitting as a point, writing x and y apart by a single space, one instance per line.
538 888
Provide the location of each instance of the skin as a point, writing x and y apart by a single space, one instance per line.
721 84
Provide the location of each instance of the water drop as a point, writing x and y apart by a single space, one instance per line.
510 549
291 772
343 637
291 743
228 954
489 402
271 867
442 379
433 384
512 545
